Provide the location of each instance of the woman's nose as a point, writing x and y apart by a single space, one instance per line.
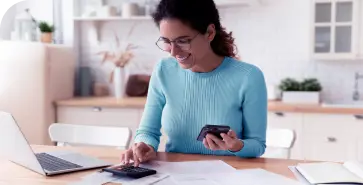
174 50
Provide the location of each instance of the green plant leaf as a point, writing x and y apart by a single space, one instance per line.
308 84
45 27
289 84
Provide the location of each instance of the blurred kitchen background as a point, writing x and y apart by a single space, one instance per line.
311 53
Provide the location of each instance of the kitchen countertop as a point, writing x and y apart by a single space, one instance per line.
130 102
139 102
278 106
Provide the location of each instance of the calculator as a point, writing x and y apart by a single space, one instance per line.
130 171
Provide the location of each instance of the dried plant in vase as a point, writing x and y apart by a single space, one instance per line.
121 56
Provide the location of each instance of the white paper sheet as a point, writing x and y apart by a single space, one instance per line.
152 179
95 179
239 177
166 181
190 167
193 179
105 177
301 178
298 176
164 169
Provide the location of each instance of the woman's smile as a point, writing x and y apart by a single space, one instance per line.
183 58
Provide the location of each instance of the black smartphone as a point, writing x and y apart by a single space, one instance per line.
216 130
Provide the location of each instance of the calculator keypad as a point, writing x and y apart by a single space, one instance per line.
133 169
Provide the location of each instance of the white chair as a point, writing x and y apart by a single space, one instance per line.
279 143
72 135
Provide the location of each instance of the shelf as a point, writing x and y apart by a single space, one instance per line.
147 18
96 23
237 3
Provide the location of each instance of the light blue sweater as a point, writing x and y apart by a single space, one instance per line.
182 102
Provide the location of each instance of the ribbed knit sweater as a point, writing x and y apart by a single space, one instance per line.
182 102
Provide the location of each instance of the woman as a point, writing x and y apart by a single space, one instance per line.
201 83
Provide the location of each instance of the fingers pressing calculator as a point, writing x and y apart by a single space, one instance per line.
130 171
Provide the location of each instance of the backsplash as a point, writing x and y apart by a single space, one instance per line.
274 36
145 35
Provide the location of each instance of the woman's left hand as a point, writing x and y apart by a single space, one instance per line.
229 142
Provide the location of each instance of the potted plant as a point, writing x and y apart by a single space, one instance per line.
307 91
46 32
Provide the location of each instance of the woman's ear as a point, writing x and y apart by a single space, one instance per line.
211 32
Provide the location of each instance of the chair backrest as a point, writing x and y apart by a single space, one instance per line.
279 143
71 134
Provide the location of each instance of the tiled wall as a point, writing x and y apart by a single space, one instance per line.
40 9
275 37
145 35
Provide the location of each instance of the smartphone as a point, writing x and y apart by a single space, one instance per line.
216 130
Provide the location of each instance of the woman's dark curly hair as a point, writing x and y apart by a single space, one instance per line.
198 14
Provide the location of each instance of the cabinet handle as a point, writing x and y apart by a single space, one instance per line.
331 139
359 117
279 113
97 109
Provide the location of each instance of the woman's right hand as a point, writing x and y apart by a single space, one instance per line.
139 153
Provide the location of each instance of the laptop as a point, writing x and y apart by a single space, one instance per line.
15 148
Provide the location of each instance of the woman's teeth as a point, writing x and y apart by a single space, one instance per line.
182 58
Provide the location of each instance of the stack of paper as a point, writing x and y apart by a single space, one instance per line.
164 170
190 167
298 176
213 172
239 177
350 172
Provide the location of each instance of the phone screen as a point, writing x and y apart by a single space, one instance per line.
216 130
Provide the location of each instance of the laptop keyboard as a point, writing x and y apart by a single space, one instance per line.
52 163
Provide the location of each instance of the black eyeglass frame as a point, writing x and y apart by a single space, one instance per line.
170 42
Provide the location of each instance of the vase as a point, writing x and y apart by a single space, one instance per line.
46 37
120 77
302 97
129 9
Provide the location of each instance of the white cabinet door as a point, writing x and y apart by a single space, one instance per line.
359 120
126 117
293 121
335 28
329 137
101 116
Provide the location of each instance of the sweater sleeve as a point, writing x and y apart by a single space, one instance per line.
150 125
254 110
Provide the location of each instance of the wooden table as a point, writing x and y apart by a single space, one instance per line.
12 174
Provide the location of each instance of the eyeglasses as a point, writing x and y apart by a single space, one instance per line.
183 43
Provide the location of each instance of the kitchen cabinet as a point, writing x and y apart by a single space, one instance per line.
127 117
293 121
32 76
330 137
105 116
318 136
359 119
335 29
322 137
